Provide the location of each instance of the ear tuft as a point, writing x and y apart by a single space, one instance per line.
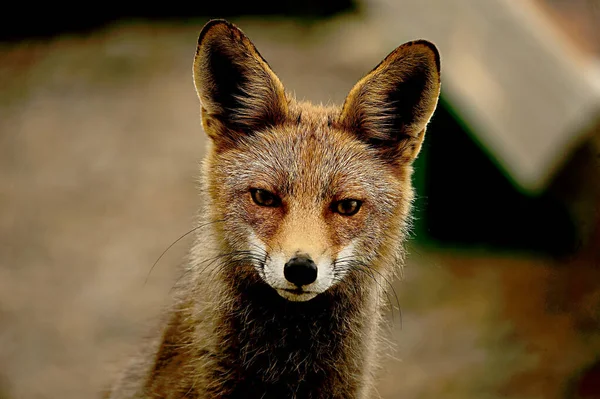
390 107
238 90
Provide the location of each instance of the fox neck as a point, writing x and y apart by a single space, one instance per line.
267 345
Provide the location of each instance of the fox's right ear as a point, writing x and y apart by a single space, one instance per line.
238 91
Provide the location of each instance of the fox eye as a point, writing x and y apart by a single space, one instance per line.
347 207
264 198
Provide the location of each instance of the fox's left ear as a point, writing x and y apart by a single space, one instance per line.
391 106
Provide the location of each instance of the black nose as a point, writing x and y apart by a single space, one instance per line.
300 270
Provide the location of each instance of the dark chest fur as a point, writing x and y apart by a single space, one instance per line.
267 347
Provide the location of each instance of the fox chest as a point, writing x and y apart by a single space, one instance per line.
292 374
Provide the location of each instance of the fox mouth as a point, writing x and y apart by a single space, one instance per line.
298 291
296 294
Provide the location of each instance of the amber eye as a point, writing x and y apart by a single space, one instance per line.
347 207
264 197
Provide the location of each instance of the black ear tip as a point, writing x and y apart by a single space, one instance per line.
215 24
431 47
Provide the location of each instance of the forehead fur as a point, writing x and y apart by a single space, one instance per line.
310 156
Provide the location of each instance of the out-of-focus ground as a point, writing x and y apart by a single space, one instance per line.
99 148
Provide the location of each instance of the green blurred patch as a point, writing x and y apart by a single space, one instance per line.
464 200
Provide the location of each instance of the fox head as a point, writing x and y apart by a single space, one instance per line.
309 195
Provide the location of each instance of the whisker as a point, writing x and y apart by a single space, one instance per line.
362 266
175 242
369 272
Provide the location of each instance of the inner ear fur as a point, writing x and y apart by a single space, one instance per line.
390 107
238 91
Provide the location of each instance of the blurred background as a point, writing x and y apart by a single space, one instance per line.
100 143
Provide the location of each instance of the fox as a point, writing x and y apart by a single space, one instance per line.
306 209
